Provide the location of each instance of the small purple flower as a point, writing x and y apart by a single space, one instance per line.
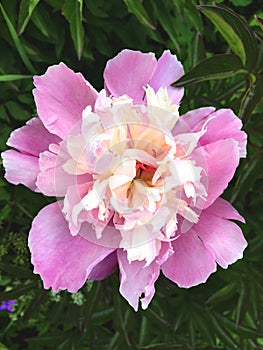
7 304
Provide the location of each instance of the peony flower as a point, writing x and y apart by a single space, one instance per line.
138 186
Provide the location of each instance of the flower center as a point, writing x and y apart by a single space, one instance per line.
145 172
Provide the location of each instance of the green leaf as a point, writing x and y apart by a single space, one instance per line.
56 4
26 10
39 21
2 347
205 326
72 10
259 21
14 294
252 97
239 329
16 110
102 316
17 42
52 339
252 170
15 271
135 7
241 2
161 346
120 321
215 67
163 15
32 307
5 211
224 335
223 293
13 77
143 330
196 51
242 304
235 31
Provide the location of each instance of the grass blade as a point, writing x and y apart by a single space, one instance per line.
17 42
13 77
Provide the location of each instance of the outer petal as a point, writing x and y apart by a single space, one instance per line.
191 264
63 261
224 210
221 160
61 95
221 124
33 138
128 73
20 168
52 179
225 124
137 279
222 236
168 70
193 121
105 268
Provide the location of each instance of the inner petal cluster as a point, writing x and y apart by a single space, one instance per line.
143 181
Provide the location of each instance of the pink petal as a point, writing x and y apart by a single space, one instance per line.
21 168
110 236
191 264
52 179
193 121
168 71
221 124
223 237
165 252
77 215
128 73
220 160
225 124
62 261
224 210
33 138
73 197
105 268
137 279
61 95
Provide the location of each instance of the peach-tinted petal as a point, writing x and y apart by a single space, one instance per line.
141 244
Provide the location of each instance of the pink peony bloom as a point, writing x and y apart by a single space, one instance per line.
138 185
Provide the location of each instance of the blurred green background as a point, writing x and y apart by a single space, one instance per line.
227 311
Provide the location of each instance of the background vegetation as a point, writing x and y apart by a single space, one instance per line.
227 311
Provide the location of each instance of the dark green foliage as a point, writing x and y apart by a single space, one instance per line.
224 313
